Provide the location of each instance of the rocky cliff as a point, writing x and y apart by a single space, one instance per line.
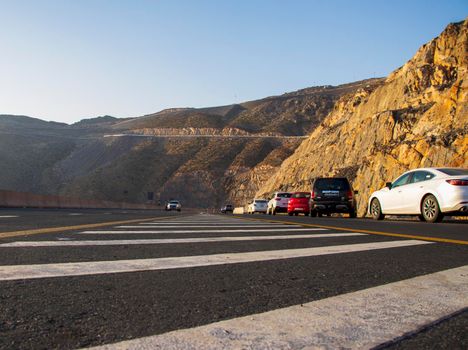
417 117
203 156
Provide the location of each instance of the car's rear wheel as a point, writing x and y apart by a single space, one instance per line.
430 209
376 210
313 213
274 211
290 213
352 214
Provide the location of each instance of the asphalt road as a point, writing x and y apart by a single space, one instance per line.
76 279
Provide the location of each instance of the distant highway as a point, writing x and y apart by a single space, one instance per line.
211 136
72 279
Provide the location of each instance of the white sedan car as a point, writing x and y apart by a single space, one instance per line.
257 206
429 193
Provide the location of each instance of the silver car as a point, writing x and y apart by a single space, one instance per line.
173 205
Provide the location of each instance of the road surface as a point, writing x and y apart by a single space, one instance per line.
158 280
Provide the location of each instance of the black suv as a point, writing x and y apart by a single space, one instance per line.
332 195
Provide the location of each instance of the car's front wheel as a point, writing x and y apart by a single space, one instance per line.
376 210
430 209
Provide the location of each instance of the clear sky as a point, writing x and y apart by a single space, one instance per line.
68 60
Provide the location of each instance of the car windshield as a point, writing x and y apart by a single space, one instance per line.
173 202
284 195
453 171
331 184
301 195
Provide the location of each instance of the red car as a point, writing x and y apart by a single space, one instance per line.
299 203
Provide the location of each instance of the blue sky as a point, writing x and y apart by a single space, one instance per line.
68 60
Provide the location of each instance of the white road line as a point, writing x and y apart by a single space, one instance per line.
197 226
169 240
75 214
202 231
211 222
8 216
359 320
17 272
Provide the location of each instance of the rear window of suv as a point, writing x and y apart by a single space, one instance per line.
284 195
331 184
453 171
260 201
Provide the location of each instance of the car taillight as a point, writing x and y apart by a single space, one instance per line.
312 195
350 194
458 182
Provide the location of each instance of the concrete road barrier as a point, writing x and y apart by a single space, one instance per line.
13 199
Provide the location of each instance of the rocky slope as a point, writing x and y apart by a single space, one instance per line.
78 160
417 117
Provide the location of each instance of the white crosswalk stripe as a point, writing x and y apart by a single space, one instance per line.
359 320
172 241
200 231
198 226
16 272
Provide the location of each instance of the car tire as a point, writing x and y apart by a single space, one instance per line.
313 213
290 213
319 215
352 214
306 213
430 209
376 210
274 211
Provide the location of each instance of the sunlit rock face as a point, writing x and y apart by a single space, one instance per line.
416 117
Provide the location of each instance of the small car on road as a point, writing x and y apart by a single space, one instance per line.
332 195
257 206
173 205
299 203
278 203
228 208
429 193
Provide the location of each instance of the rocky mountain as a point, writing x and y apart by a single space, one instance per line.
370 131
416 117
203 157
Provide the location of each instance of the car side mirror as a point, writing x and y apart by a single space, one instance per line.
389 185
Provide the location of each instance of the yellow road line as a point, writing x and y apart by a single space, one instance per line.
400 235
76 227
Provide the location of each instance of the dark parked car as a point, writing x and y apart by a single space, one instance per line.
332 195
227 208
